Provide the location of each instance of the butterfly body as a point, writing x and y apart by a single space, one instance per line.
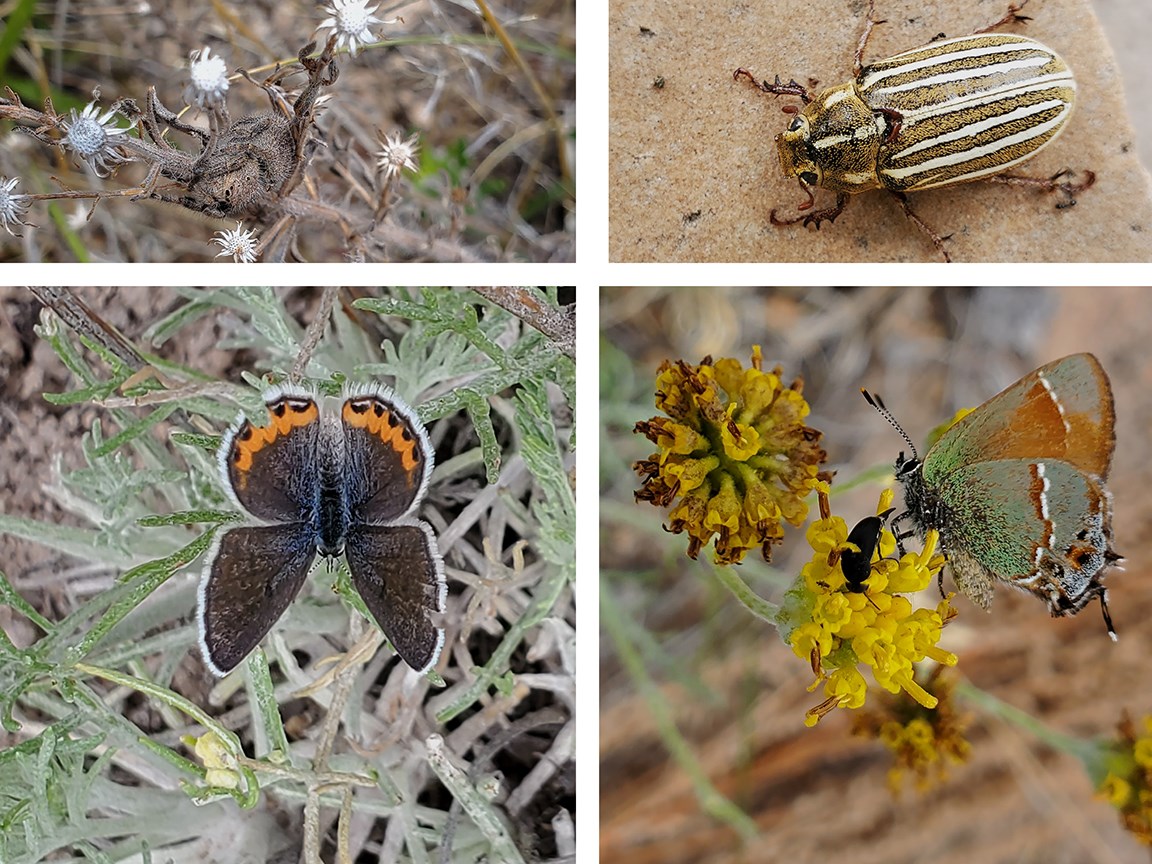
325 480
1017 488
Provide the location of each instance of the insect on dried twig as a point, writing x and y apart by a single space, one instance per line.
246 168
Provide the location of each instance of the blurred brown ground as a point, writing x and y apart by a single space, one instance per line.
819 794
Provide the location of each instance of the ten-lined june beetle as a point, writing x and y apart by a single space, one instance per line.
950 112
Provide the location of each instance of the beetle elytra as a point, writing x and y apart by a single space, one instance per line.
949 112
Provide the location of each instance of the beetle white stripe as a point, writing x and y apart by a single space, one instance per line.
974 129
836 96
964 75
963 70
950 177
1003 94
939 126
899 66
978 152
832 141
979 106
836 140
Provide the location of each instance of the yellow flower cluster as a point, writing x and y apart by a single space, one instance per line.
220 763
924 742
842 630
1128 783
735 458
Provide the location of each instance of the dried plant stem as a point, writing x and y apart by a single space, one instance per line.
529 306
344 828
340 693
384 199
315 331
538 89
74 313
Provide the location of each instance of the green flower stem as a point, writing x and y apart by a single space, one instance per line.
711 800
1088 751
748 598
247 797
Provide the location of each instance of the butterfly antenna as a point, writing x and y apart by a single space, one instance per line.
1107 617
877 403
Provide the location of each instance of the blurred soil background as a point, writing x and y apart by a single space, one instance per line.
738 695
490 179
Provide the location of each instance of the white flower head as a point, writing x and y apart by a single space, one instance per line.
209 82
350 20
13 206
238 243
395 155
95 140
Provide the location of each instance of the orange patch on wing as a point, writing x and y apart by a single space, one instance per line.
390 428
1080 556
284 416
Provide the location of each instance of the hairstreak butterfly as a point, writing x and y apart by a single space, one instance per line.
1017 488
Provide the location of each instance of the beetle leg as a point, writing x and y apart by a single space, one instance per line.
895 121
777 88
828 214
869 23
936 239
1067 190
1009 18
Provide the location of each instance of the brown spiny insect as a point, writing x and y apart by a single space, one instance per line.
244 168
